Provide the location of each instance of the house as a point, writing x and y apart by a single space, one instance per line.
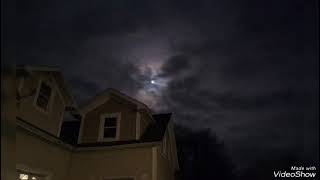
111 137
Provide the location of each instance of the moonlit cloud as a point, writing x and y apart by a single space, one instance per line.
248 70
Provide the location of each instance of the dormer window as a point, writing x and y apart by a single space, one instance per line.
110 127
44 95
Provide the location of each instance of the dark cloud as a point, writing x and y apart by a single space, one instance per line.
176 65
257 90
248 70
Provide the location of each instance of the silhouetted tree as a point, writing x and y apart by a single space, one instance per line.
202 156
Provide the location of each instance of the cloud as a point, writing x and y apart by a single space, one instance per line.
176 65
247 70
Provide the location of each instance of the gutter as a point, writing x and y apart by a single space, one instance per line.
48 137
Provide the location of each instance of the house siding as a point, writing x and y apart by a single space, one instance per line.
8 123
49 121
91 121
99 164
164 167
39 151
36 154
94 163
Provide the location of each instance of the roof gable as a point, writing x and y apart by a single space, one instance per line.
57 76
105 96
154 132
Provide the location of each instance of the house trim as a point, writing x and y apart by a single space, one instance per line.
164 146
57 76
173 147
138 125
167 155
40 81
81 129
35 131
103 97
62 113
115 147
101 127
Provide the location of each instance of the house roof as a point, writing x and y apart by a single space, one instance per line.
56 73
153 133
104 96
42 134
69 131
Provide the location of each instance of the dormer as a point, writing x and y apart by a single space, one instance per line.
42 97
113 116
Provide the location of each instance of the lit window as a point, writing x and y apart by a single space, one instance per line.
44 96
23 176
30 176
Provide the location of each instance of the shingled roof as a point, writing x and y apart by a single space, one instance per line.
154 132
69 132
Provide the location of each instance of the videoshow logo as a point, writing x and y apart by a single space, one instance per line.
297 172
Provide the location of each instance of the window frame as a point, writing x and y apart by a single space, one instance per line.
101 137
50 99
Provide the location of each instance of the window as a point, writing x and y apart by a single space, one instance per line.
44 95
110 126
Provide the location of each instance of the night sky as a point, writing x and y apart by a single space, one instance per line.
247 70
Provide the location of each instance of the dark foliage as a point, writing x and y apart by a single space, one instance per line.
202 156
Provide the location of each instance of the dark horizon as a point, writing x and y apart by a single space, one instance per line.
248 71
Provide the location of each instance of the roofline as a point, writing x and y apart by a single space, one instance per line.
38 68
46 136
122 146
128 97
66 88
56 69
37 132
104 95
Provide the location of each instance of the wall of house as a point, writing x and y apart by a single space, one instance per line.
165 170
39 156
167 157
112 163
8 123
49 121
91 121
172 148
